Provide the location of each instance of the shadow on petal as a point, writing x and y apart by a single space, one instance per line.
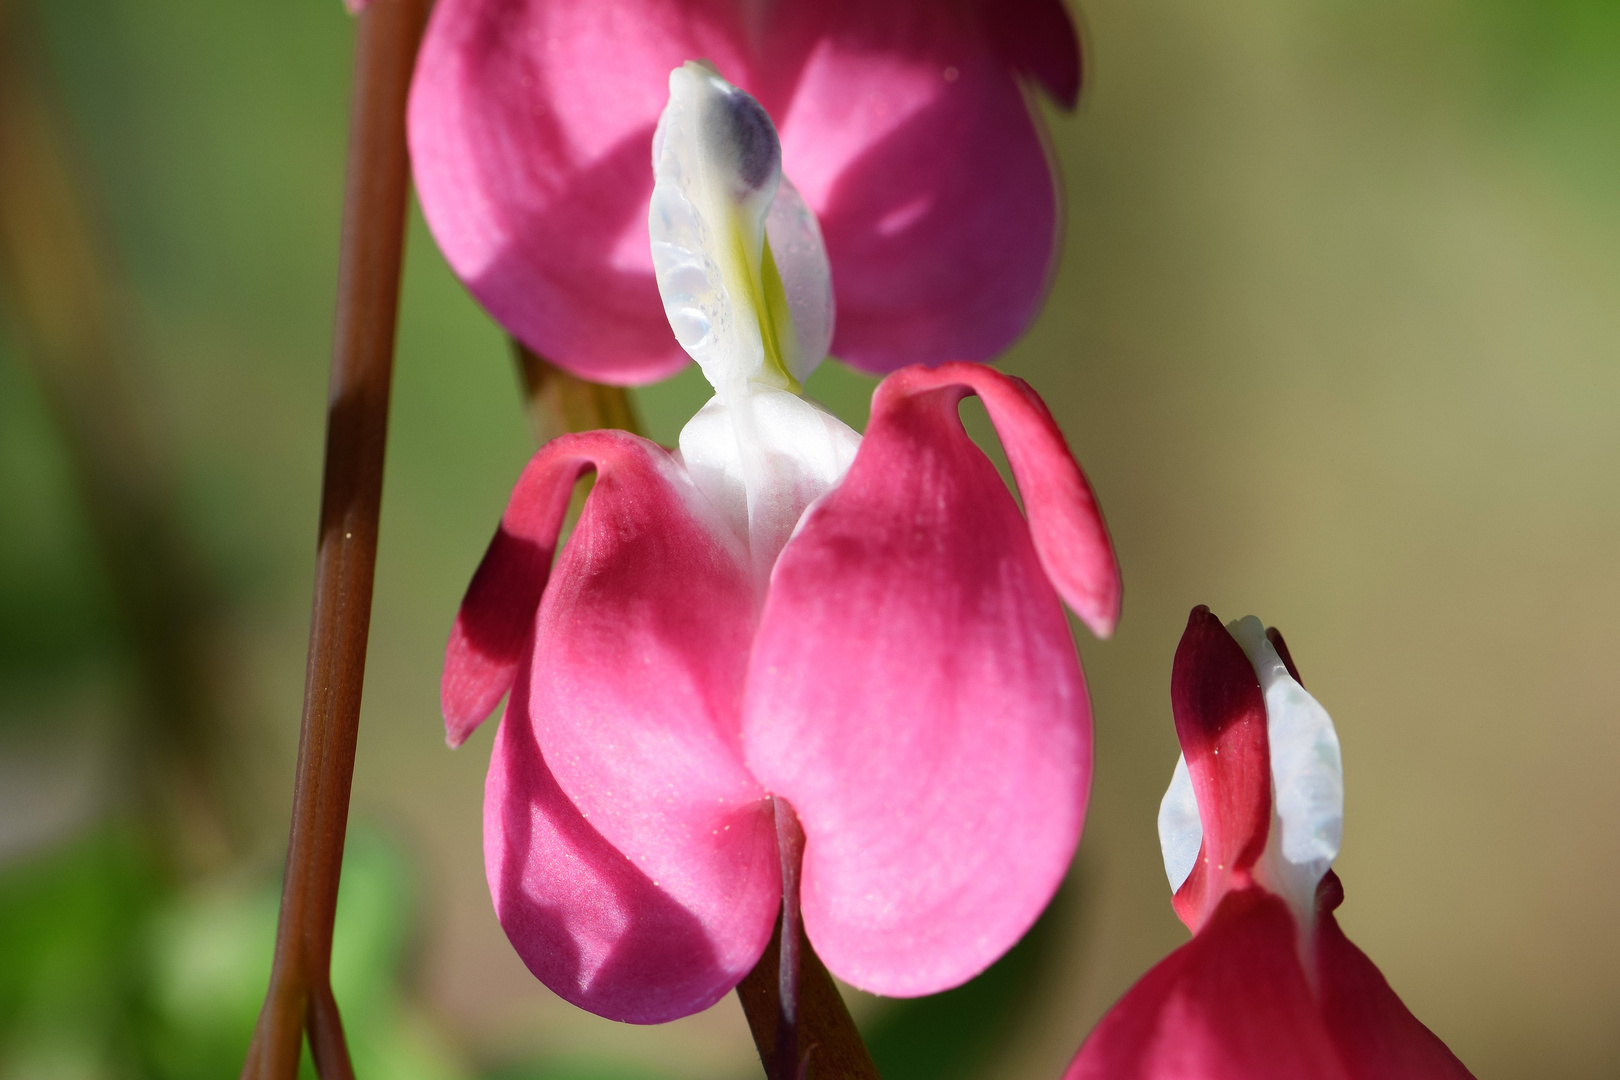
587 922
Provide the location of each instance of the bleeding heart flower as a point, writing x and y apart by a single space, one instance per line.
904 124
1269 988
867 629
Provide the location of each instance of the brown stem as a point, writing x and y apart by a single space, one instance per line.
800 1025
559 401
790 843
375 191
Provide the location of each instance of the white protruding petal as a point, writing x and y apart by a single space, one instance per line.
801 259
1307 777
762 458
716 165
1181 831
743 273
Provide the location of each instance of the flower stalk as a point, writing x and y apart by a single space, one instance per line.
376 187
832 1046
790 842
558 401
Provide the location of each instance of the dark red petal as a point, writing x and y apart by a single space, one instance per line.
1220 717
1274 636
1040 42
496 618
1231 1004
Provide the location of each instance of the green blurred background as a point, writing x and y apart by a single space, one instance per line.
1336 334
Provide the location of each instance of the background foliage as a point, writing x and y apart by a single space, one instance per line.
1336 334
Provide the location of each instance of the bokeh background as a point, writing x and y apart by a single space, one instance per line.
1336 334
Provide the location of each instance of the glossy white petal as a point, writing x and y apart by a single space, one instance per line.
1307 777
737 254
801 260
762 458
1181 832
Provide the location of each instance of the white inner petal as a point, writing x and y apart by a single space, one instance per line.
801 260
762 458
735 249
743 274
1307 778
1181 832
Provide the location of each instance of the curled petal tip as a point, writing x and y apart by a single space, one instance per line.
1039 40
355 7
1064 519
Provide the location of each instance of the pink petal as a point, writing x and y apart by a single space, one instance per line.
531 141
491 632
641 643
1220 717
910 136
915 694
1231 1004
1064 518
589 922
1377 1035
903 123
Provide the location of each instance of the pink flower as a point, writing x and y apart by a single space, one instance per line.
905 124
1269 986
779 609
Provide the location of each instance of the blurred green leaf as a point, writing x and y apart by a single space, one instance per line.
69 986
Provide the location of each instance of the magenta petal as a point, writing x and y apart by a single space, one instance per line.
1064 517
491 632
910 136
1231 1004
641 643
588 922
903 124
1376 1033
531 132
914 692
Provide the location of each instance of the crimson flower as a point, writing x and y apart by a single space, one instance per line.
904 123
780 609
1269 988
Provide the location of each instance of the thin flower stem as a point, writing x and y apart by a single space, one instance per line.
790 843
375 192
829 1046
